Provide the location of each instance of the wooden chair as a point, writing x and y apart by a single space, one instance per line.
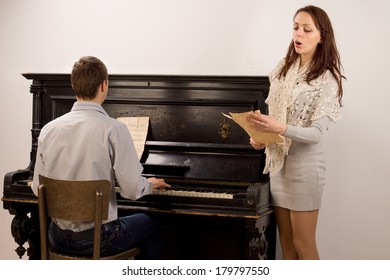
81 201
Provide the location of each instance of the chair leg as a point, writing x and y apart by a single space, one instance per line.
97 225
43 221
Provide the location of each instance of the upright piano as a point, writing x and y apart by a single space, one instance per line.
219 203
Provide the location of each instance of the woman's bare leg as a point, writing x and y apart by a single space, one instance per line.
283 221
304 225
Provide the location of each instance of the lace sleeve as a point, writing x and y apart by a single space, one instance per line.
328 103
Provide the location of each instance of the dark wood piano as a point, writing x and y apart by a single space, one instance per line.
219 206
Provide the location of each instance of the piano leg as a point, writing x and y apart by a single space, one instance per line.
262 244
25 228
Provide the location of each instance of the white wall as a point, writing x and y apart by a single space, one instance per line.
224 37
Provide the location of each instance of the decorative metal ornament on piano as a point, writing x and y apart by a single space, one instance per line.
219 204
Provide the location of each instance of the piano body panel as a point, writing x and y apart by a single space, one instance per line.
189 143
211 237
218 230
202 165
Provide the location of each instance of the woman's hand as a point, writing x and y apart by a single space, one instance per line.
257 146
265 123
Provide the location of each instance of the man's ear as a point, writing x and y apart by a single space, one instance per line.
103 85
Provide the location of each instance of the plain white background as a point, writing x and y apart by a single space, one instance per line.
223 37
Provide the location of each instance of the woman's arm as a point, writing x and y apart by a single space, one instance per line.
309 135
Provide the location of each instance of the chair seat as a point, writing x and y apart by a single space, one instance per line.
126 255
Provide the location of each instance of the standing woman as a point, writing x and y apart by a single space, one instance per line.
305 95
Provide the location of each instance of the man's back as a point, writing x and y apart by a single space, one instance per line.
76 146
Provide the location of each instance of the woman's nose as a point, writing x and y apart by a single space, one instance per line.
298 32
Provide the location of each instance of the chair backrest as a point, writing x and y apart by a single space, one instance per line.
78 201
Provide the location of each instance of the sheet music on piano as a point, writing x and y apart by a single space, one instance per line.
138 128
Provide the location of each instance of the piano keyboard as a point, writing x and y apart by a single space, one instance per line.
203 194
193 192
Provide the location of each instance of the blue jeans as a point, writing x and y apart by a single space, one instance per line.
117 236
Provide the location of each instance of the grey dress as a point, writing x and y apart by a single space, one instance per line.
299 184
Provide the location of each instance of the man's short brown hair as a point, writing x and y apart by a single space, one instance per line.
87 75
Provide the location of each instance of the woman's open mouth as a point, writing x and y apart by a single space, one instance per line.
297 43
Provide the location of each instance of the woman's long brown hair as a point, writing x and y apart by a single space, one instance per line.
326 56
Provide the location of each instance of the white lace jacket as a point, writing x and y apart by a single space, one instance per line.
293 101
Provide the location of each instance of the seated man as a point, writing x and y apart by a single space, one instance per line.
87 144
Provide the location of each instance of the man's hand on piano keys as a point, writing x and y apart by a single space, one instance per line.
158 184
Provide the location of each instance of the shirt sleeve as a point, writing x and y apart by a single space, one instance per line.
309 135
126 165
39 167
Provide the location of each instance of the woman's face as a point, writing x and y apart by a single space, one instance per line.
306 36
